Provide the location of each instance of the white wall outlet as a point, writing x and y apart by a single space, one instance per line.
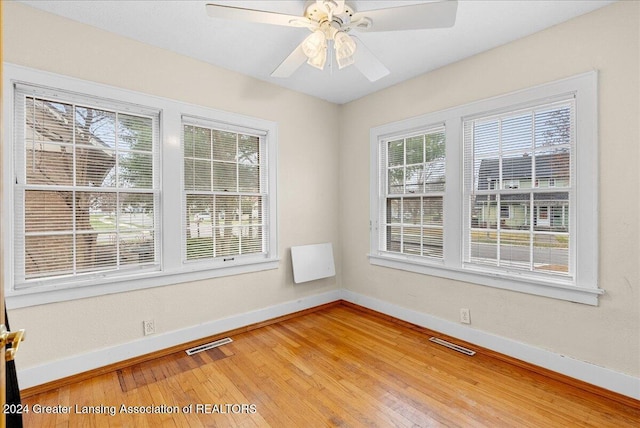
148 327
465 316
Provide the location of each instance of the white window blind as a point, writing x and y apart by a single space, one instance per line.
86 191
519 189
226 212
412 168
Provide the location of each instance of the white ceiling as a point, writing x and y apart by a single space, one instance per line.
257 49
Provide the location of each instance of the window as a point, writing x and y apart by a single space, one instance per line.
519 207
512 184
225 193
114 190
415 179
86 187
518 148
505 212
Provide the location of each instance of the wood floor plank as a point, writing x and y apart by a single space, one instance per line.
338 366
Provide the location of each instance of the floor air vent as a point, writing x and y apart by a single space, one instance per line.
208 346
453 346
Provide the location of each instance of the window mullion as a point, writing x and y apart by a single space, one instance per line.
214 223
453 196
534 180
237 189
74 238
421 198
531 231
117 231
500 187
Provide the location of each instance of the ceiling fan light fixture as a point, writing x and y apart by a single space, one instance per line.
344 62
345 48
319 60
314 44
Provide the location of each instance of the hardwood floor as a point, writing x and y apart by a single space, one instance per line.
338 366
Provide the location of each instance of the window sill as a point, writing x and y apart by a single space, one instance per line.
61 292
571 293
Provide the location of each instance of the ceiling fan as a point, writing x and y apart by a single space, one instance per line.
333 20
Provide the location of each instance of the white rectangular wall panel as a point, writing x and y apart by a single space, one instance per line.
312 262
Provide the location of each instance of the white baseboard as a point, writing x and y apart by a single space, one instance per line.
605 378
54 370
600 376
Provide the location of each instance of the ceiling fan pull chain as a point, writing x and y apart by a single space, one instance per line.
331 55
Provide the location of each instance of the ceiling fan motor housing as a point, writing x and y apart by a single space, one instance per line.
329 12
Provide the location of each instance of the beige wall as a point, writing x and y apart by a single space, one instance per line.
606 40
48 42
609 335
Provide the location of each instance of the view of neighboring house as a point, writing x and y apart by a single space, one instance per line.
519 210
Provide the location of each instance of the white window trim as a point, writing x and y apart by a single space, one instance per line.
584 288
262 135
57 94
173 270
385 195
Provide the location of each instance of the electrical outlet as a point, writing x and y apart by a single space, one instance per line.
148 327
465 316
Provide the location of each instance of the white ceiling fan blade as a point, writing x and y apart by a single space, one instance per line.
291 63
259 16
367 63
440 14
